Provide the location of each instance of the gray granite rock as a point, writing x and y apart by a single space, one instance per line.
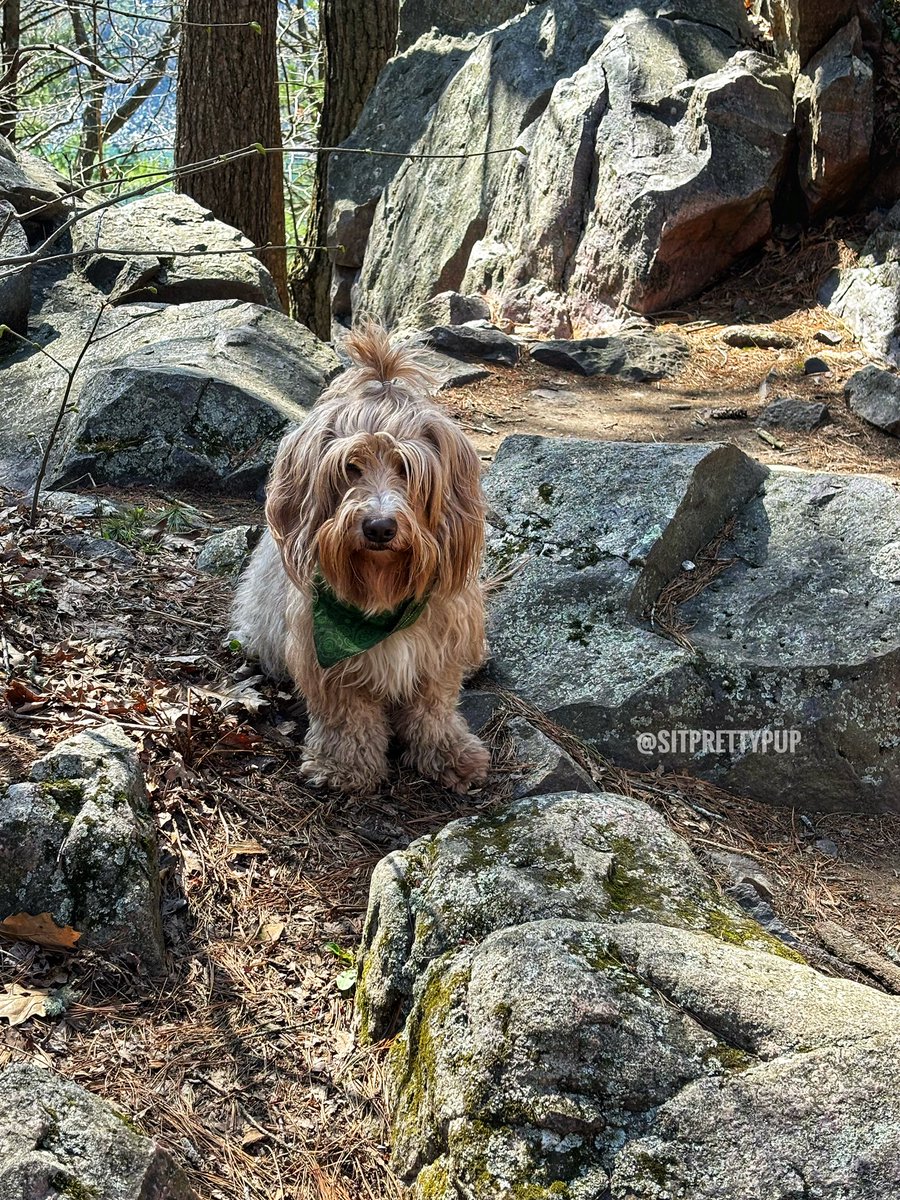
228 552
57 1140
867 296
835 113
801 633
153 231
479 708
584 1010
452 16
635 356
772 1130
874 395
584 856
80 506
757 337
35 190
789 412
78 841
451 308
450 372
477 340
543 766
83 545
607 90
191 394
15 281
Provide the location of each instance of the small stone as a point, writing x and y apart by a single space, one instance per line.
635 355
829 337
816 366
57 1140
451 308
79 506
450 372
758 337
789 412
826 846
874 395
227 553
85 546
474 341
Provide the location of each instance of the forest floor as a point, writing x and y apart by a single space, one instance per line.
243 1059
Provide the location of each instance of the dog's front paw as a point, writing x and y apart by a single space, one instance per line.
458 765
352 780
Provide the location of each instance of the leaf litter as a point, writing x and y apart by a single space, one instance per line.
242 1059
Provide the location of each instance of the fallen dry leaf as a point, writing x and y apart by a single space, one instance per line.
18 1004
271 931
39 930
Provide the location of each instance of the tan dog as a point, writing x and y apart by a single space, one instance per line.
365 590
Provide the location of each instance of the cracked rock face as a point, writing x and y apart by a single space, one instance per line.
650 1044
57 1140
800 633
650 131
78 841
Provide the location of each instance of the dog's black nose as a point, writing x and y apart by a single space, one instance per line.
380 530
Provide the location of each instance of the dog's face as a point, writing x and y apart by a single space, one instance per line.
382 492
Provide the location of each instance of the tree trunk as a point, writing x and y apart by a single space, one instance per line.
228 99
358 37
9 94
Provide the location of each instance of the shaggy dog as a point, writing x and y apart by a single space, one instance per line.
365 589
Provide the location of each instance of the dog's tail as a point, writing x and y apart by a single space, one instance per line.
378 361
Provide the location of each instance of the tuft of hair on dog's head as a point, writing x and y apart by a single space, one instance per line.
376 451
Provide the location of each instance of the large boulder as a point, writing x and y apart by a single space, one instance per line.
78 841
15 280
190 394
35 190
645 135
57 1140
585 1016
835 107
867 296
170 249
788 687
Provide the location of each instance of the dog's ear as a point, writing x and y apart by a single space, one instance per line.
460 505
294 505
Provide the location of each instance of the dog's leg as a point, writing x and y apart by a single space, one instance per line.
346 746
439 742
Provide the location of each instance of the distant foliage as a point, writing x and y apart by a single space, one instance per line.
89 85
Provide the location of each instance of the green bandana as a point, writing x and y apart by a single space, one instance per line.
341 631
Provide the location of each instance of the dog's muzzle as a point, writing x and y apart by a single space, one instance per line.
379 532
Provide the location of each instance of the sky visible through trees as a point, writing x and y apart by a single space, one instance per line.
90 86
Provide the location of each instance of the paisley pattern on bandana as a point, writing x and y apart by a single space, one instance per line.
341 631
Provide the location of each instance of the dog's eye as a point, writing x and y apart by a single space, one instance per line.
353 471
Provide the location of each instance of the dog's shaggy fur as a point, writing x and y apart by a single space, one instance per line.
375 448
